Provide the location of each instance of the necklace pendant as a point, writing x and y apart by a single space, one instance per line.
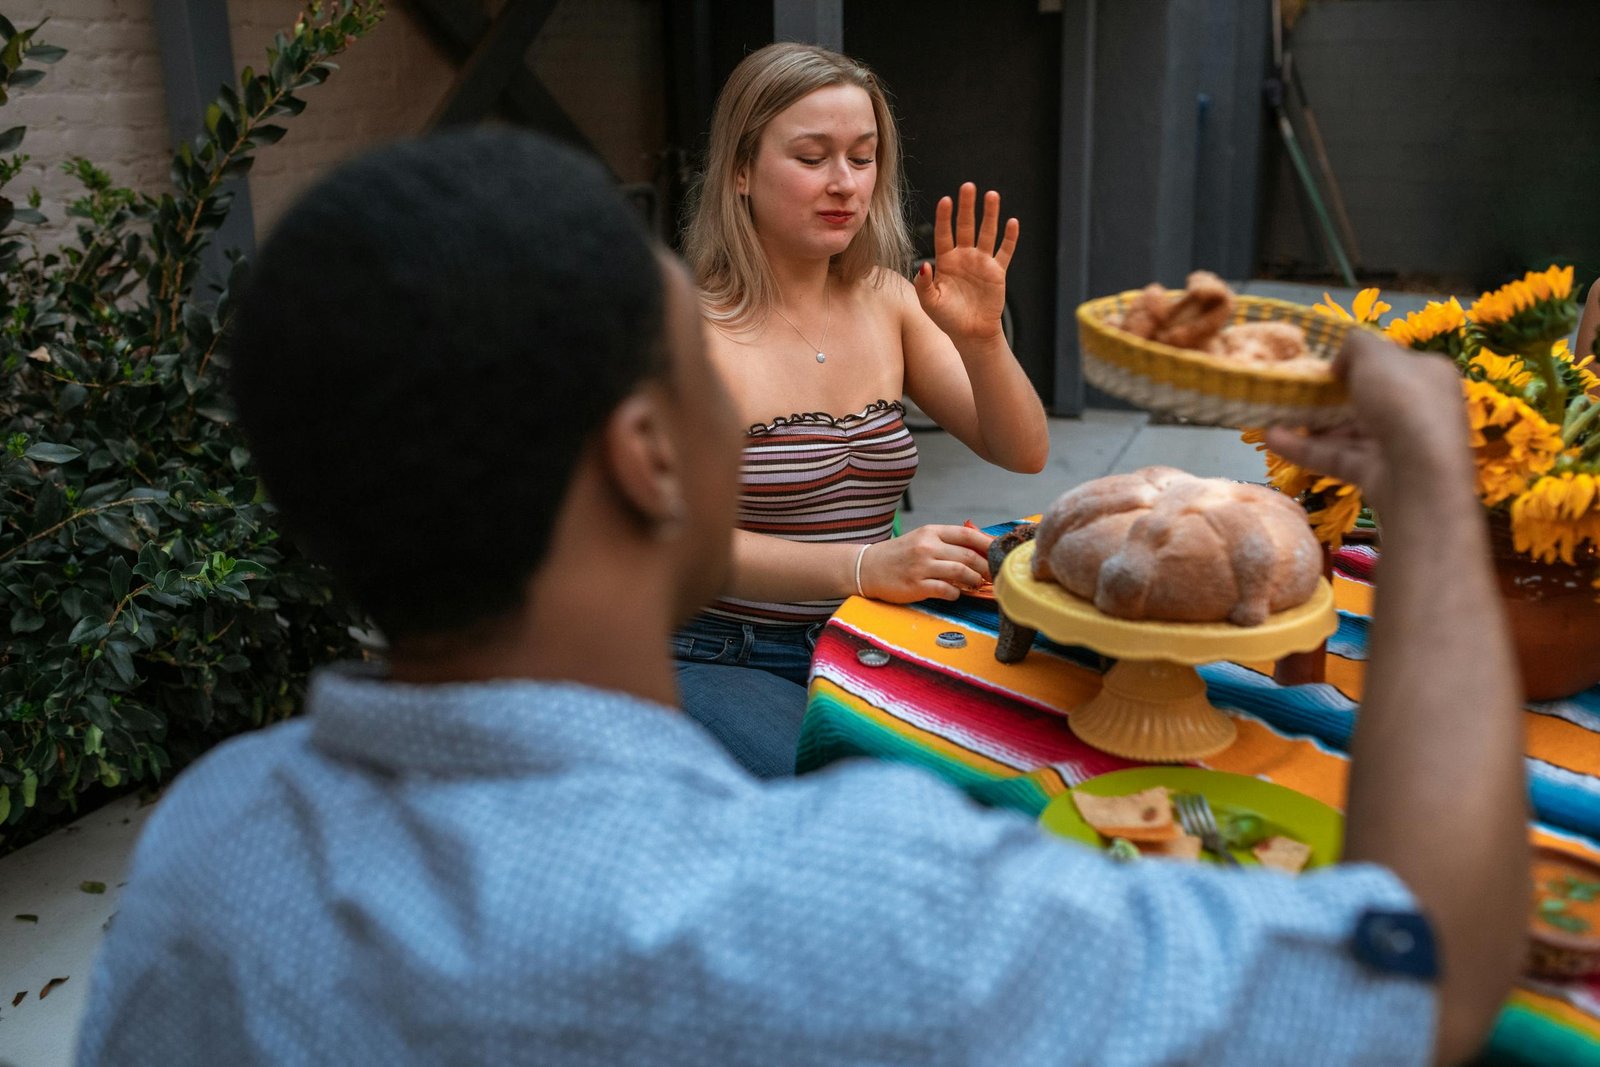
821 358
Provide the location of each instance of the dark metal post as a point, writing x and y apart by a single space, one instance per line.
1073 212
196 61
811 21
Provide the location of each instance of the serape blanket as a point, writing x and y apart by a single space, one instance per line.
999 733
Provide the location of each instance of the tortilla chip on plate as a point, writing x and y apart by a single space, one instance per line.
1283 853
1139 817
1179 848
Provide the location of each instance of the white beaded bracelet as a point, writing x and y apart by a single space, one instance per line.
859 555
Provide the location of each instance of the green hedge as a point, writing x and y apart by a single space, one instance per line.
148 605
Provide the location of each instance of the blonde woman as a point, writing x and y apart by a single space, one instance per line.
798 242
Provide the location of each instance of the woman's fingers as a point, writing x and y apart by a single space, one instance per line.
931 589
990 226
959 573
1008 243
968 232
967 559
968 537
942 241
966 213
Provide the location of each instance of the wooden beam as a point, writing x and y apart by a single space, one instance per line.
497 55
457 27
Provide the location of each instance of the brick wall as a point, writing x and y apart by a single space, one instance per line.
104 100
601 59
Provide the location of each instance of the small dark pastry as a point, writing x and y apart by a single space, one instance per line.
1014 640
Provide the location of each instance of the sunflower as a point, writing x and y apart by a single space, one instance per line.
1512 442
1331 506
1527 315
1582 369
1436 328
1502 370
1366 307
1504 303
1288 478
1556 516
1334 509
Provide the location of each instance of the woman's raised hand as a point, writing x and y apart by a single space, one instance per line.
964 292
930 561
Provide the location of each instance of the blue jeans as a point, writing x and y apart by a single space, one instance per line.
746 684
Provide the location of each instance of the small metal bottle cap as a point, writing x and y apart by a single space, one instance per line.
873 657
952 639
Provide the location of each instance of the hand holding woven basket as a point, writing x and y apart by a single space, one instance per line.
1209 389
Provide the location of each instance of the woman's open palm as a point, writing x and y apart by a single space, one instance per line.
964 292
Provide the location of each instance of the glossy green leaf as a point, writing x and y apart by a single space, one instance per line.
48 453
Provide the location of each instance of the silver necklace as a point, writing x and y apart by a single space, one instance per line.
826 322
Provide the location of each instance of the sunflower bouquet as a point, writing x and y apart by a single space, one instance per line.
1533 405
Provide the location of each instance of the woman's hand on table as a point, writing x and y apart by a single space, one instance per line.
930 561
964 291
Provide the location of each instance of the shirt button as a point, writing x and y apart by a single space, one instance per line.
1396 942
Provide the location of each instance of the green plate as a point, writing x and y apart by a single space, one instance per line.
1283 810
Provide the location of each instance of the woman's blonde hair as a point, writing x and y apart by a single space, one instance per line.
736 283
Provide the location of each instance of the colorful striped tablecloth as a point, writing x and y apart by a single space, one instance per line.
998 732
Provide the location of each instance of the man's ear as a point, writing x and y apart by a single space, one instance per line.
643 462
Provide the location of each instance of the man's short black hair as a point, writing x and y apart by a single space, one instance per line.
426 343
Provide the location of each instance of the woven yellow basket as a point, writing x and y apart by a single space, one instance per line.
1176 381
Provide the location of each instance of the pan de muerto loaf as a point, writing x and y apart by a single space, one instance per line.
1163 544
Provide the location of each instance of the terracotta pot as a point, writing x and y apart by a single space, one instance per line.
1554 618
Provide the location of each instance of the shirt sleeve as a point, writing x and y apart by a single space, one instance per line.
1048 952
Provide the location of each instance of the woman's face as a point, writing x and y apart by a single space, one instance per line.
811 181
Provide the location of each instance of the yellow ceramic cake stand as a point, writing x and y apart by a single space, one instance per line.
1152 705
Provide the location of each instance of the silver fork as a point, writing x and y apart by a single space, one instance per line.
1194 815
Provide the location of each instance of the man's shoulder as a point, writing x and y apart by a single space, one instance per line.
238 763
219 796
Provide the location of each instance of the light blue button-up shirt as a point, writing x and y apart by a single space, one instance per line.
534 873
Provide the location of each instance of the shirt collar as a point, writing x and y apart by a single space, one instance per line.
497 728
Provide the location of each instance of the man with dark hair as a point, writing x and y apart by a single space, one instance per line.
478 393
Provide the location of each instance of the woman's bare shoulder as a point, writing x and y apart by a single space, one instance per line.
884 292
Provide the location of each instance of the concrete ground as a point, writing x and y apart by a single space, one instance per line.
953 485
46 881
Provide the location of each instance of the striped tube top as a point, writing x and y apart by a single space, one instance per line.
816 477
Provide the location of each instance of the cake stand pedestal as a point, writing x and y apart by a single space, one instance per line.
1152 705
